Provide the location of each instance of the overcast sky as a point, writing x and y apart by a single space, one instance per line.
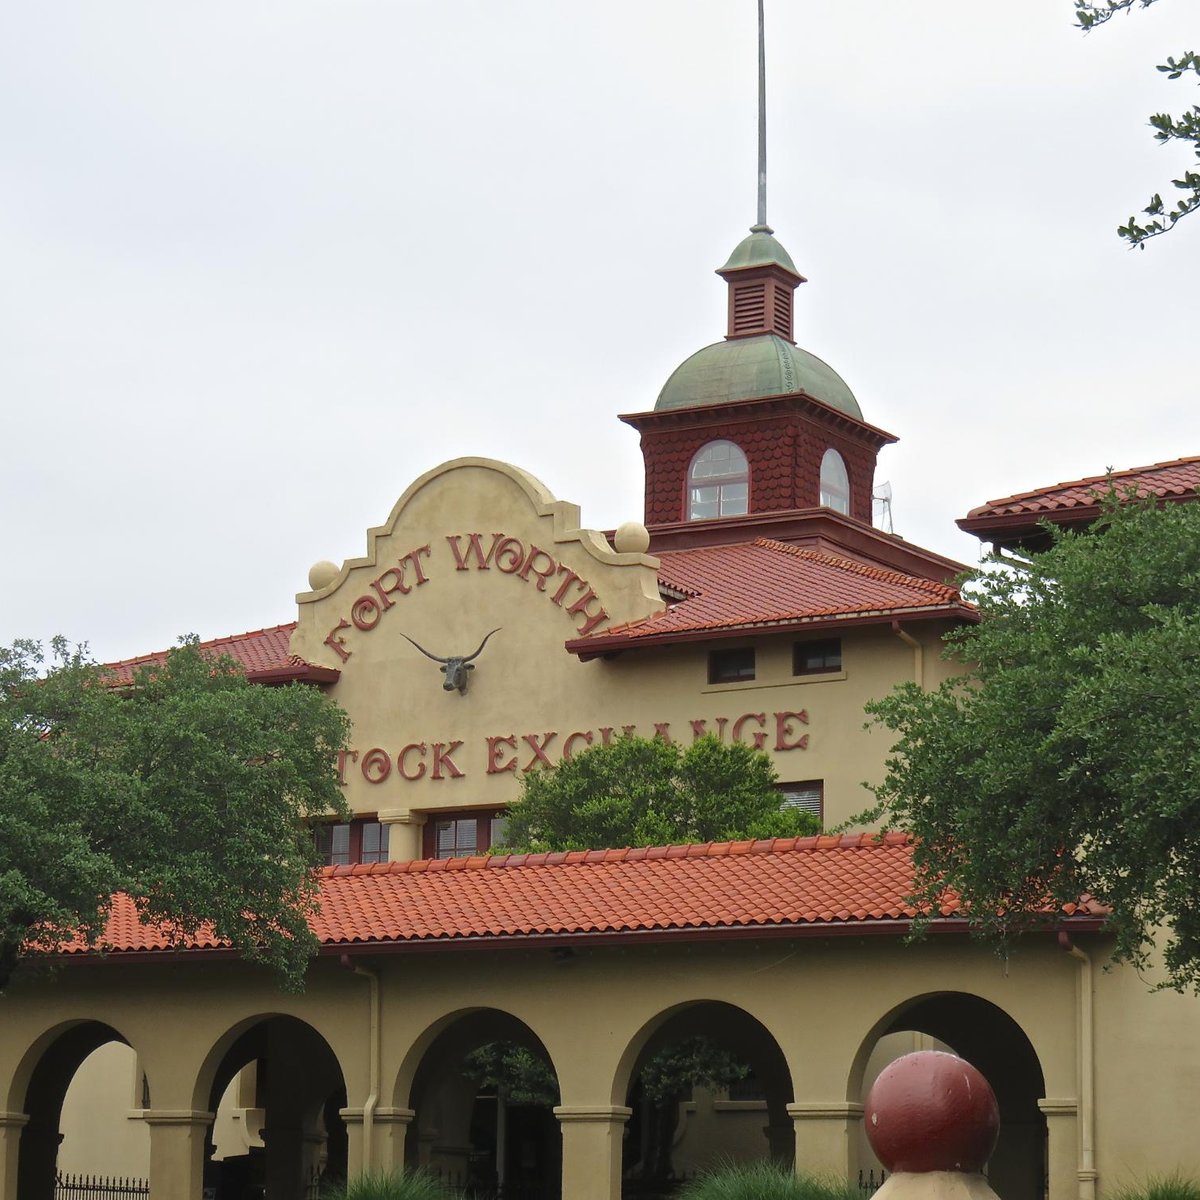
262 264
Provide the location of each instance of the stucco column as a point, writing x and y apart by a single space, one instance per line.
177 1153
591 1150
391 1132
405 831
825 1137
11 1125
1062 1148
389 1129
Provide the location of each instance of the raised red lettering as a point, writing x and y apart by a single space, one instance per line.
402 760
628 730
759 740
494 765
442 758
699 729
550 569
592 619
510 554
606 733
365 613
569 744
539 751
397 585
784 731
475 547
376 765
414 557
571 578
344 757
721 723
336 642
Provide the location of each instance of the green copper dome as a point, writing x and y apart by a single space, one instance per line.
747 368
758 250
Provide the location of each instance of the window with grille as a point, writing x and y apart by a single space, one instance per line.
347 842
454 835
718 482
835 482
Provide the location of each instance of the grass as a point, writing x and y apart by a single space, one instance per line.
390 1185
767 1181
1161 1187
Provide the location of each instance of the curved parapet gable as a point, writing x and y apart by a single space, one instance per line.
479 568
564 514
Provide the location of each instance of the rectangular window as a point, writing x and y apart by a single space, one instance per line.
465 833
808 796
731 666
374 842
816 658
342 844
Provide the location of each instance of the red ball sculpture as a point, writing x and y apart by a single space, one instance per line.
931 1111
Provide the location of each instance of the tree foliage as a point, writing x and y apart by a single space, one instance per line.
650 792
1068 760
1167 128
519 1074
188 790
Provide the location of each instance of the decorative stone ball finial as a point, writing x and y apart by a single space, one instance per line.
931 1111
321 574
632 538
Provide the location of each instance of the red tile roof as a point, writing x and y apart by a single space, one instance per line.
1177 479
765 583
263 652
794 886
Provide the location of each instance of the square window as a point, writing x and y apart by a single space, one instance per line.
808 796
731 666
815 658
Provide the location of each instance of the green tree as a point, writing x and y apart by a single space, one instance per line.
650 792
189 790
1184 128
1068 760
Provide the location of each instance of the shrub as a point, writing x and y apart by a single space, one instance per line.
389 1185
769 1181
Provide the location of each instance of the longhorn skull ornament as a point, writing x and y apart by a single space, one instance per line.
456 667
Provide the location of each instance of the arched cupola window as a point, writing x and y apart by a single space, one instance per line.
718 482
835 483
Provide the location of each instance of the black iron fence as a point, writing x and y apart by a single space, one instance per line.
99 1187
469 1187
868 1184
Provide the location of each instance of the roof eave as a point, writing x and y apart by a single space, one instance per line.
599 645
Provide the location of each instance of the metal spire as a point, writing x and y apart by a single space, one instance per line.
761 226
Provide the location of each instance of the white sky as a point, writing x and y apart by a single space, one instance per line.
261 264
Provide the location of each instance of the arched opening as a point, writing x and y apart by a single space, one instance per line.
277 1090
987 1037
52 1075
708 1085
483 1094
835 482
718 483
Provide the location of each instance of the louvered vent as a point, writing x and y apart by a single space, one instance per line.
781 317
750 308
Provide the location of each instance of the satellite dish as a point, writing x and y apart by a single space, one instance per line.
881 505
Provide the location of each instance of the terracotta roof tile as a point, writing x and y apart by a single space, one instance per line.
813 884
1177 478
263 653
764 583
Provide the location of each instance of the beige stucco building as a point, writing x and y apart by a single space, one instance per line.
755 601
